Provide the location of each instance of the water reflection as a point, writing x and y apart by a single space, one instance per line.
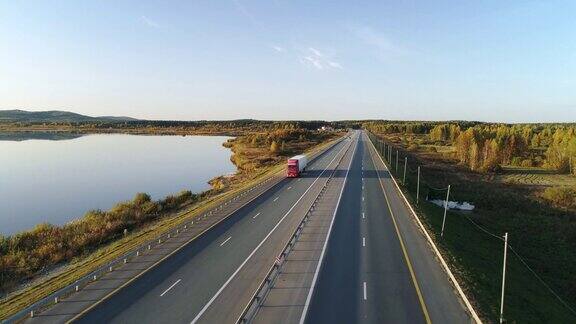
58 180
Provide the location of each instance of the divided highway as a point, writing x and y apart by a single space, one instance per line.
213 278
360 259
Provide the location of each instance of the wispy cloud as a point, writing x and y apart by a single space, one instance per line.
245 12
319 60
278 49
149 22
385 47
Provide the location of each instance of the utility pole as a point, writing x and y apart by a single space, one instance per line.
503 277
418 187
445 211
405 166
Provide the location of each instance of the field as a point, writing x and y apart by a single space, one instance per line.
537 177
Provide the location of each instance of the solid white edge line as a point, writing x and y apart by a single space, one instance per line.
167 290
255 215
431 242
203 310
365 294
228 239
321 260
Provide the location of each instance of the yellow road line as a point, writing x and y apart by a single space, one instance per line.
404 251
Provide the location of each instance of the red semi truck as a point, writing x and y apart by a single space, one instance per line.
296 165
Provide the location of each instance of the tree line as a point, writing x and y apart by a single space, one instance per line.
487 147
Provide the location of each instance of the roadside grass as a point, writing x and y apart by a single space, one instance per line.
84 265
545 237
535 177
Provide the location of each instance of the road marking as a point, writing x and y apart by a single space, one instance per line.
363 216
228 239
404 251
321 259
255 215
209 303
298 179
363 241
365 294
289 188
167 290
362 198
276 198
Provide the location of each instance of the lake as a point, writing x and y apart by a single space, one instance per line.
55 178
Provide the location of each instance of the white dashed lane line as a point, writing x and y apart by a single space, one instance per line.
256 215
276 198
228 239
167 290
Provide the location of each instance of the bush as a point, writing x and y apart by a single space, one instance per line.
413 147
22 255
527 163
561 196
516 161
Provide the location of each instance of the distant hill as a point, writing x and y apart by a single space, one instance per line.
53 116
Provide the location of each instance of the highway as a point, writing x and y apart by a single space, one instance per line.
361 259
212 278
378 267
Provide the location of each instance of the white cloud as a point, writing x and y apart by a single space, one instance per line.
315 51
245 12
278 49
149 22
315 58
335 65
383 44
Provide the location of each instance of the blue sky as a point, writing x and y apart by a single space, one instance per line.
512 61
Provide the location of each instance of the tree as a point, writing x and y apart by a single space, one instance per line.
274 147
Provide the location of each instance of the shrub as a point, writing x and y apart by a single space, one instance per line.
527 163
561 196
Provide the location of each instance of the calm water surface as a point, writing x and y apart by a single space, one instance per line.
60 179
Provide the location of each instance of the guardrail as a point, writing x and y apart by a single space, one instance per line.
261 292
56 297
